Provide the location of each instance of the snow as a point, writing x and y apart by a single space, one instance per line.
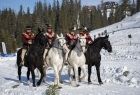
120 70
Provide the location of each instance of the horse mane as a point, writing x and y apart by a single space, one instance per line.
40 39
97 40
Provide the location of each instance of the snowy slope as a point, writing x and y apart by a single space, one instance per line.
120 70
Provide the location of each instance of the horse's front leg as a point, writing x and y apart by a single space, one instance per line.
76 76
28 74
56 81
33 77
98 73
41 77
89 73
19 73
60 79
79 73
83 68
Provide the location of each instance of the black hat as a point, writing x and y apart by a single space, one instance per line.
28 27
49 26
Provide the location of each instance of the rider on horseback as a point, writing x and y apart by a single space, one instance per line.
88 37
71 38
51 37
27 38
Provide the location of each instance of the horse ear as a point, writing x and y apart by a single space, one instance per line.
57 36
106 36
61 35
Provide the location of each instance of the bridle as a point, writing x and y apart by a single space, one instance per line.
80 49
59 44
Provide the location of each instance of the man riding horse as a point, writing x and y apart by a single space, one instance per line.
71 38
88 37
27 38
51 37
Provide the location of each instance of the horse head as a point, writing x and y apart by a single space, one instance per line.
40 38
60 40
82 42
106 44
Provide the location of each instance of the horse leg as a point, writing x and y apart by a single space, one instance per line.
60 79
28 74
89 73
76 75
83 68
56 81
79 73
33 77
98 74
69 73
44 71
19 73
42 76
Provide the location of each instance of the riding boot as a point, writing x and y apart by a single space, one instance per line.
66 54
22 57
44 57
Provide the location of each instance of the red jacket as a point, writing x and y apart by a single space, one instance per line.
71 37
88 39
50 35
27 37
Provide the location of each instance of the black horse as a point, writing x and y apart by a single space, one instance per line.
93 56
34 57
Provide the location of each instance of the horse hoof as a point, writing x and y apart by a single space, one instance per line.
59 87
100 83
77 85
90 82
38 84
79 79
34 85
61 82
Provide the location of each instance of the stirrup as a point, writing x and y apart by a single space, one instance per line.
44 65
66 62
21 63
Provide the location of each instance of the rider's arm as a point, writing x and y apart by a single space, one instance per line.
32 36
50 36
26 36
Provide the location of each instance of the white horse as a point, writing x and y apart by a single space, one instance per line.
55 58
76 58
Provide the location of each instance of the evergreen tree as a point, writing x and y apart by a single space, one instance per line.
138 5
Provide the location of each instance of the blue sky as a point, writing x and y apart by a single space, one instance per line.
15 4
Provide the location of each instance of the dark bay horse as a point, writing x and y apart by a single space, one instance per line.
93 56
34 57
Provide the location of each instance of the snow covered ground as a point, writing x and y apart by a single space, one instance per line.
120 70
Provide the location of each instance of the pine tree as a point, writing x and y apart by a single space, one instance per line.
138 5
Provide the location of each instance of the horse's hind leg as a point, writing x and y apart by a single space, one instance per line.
98 73
19 73
41 77
44 78
69 73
